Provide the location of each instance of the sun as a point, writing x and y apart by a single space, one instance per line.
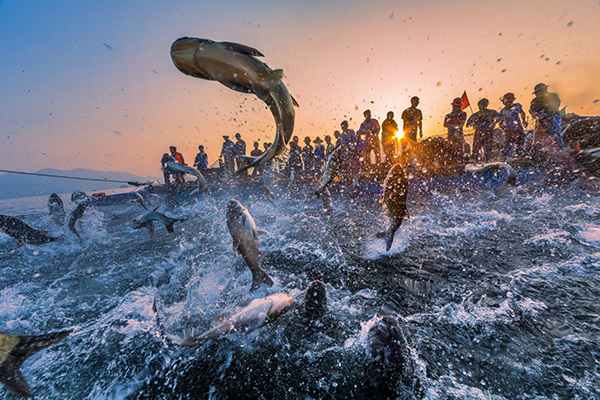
399 135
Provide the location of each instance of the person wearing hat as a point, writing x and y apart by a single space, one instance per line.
484 122
239 151
389 128
228 155
455 121
320 156
513 123
545 109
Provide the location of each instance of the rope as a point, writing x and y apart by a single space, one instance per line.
72 177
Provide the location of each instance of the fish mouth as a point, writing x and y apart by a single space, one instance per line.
281 306
183 52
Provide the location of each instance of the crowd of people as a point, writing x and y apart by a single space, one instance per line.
363 148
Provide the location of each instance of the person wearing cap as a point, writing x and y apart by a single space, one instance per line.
545 109
295 159
320 156
412 119
389 128
239 151
455 121
228 155
330 146
201 160
370 130
256 153
484 122
513 123
308 156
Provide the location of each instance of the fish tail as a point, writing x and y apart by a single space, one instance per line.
258 278
389 234
169 226
14 350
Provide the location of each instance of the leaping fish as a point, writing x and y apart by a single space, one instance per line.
259 312
395 190
175 166
56 209
14 350
236 66
245 241
22 232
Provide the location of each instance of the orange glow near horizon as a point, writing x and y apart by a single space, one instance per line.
108 97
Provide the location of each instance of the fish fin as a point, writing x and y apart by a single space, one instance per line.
240 48
294 102
19 348
262 232
258 278
157 207
20 243
271 78
169 226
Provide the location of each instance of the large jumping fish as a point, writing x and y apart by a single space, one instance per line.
14 350
175 166
244 232
147 221
236 66
256 314
511 178
56 209
315 302
389 367
395 190
22 232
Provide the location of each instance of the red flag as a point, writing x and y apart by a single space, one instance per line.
465 101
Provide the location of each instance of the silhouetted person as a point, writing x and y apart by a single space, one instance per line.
239 151
337 135
370 129
256 153
545 109
320 156
330 146
455 121
484 122
513 122
412 120
389 128
228 155
308 156
295 159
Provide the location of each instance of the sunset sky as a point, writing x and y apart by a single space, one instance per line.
90 84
